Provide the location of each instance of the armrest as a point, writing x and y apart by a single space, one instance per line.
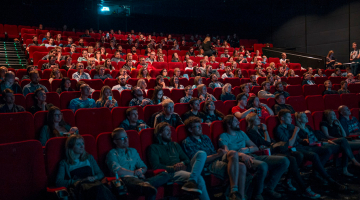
154 172
262 152
60 192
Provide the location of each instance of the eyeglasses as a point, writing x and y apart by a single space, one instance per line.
122 138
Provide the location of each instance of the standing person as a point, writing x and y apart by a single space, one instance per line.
181 169
355 59
257 132
220 163
79 167
206 46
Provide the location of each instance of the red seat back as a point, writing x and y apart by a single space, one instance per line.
315 103
89 122
146 139
294 90
149 110
66 97
181 108
271 123
294 80
23 171
216 130
332 101
51 97
125 97
11 129
350 100
95 84
297 102
310 90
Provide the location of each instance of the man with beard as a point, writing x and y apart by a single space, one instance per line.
181 169
122 84
132 121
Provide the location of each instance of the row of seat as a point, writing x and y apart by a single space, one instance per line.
89 122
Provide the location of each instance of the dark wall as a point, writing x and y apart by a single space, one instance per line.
316 27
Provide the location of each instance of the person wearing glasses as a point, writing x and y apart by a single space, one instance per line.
127 164
80 74
56 126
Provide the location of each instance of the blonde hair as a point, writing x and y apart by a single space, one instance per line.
200 88
102 97
196 80
250 118
166 102
69 145
140 81
225 87
52 75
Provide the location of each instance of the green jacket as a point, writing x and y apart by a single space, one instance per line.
165 156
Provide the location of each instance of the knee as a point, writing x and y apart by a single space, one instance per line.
285 162
263 168
201 155
233 155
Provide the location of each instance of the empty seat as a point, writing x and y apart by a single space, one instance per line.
294 90
11 129
315 103
181 108
177 94
350 100
310 90
320 80
271 123
11 30
93 121
256 89
20 100
354 88
173 65
294 80
228 105
149 110
216 130
125 97
297 102
335 79
160 65
332 101
22 171
119 115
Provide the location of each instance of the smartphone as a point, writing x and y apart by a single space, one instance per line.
110 98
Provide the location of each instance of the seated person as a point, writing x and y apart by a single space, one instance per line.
337 73
225 54
144 73
152 57
177 73
85 56
226 93
240 111
142 64
128 65
9 105
246 89
349 123
164 73
208 71
141 83
168 115
80 74
138 99
51 64
307 80
9 82
106 98
211 113
34 84
178 165
214 82
351 80
339 145
55 74
197 82
253 80
219 163
29 68
188 95
283 58
320 73
117 57
328 86
287 132
280 90
257 132
91 64
40 102
282 72
160 81
236 140
265 92
132 121
124 73
100 73
56 126
122 84
228 73
280 104
195 110
262 110
203 94
343 89
83 101
238 73
175 84
65 86
127 164
158 95
196 72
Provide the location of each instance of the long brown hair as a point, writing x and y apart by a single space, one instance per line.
102 97
70 143
250 118
140 75
50 122
206 110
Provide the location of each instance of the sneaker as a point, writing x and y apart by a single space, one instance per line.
316 177
234 196
289 186
191 186
271 193
310 194
258 197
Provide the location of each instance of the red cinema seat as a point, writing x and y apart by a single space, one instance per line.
260 80
219 105
217 93
332 101
37 56
173 65
10 123
294 80
133 81
181 108
354 88
46 83
66 97
320 80
40 49
310 90
228 105
270 102
20 100
2 32
12 31
233 81
177 94
146 139
297 102
51 97
315 103
149 110
236 90
355 112
55 152
95 84
335 79
275 60
350 100
21 163
256 89
317 118
160 65
119 115
182 134
294 90
150 92
125 97
216 130
295 66
89 122
271 123
20 73
104 144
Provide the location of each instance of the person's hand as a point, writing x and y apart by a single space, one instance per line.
336 122
52 67
307 111
142 126
201 97
263 127
297 129
179 166
107 102
263 105
248 160
90 178
144 102
73 130
306 140
138 172
221 152
331 142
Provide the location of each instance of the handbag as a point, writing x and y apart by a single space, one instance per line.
280 148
